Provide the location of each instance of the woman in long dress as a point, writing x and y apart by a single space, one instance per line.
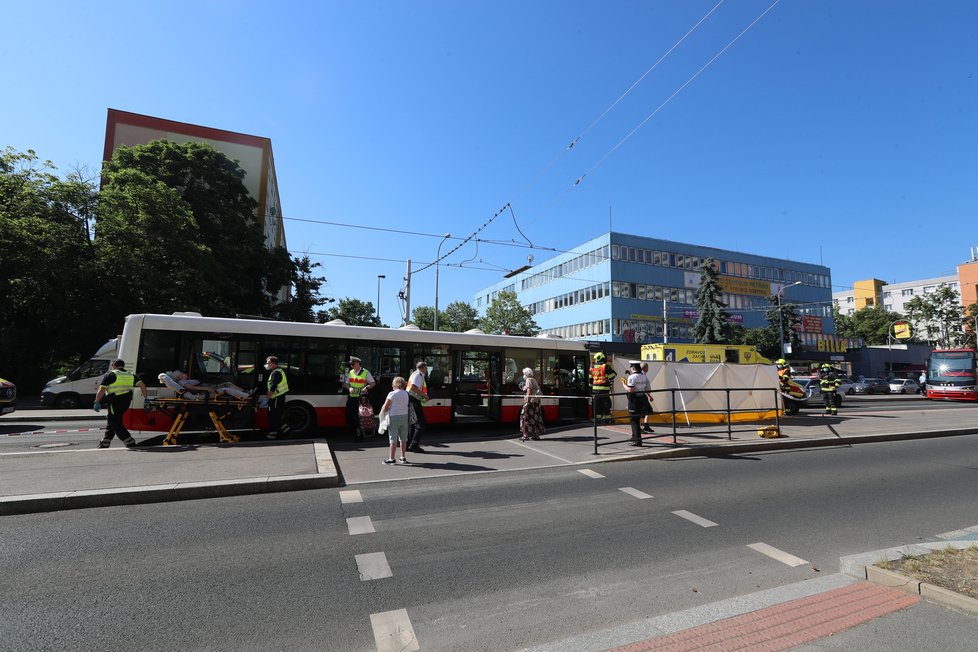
531 418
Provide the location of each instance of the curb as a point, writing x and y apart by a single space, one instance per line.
783 443
325 476
863 566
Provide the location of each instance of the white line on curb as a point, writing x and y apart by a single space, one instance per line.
393 631
635 492
351 496
373 566
589 473
360 525
780 555
699 520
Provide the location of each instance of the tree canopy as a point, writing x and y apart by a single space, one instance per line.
172 229
871 323
937 317
505 315
457 317
353 312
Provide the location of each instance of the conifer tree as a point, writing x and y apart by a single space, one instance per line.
712 325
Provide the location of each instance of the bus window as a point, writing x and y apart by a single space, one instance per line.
159 351
439 365
521 359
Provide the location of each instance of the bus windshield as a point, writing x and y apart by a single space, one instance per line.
955 368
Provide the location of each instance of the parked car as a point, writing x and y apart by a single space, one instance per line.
904 386
8 396
813 392
847 387
872 386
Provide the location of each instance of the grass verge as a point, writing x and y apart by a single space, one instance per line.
950 568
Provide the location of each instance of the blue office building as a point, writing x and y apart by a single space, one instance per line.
630 288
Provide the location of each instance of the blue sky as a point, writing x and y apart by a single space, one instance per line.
841 132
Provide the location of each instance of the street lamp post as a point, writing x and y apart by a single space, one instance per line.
780 322
446 237
379 276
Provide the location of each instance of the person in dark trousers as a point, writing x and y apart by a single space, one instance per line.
637 386
829 382
418 395
358 382
115 391
278 387
602 375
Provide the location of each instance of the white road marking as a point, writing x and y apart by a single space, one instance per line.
373 566
360 525
780 555
635 492
699 520
393 631
537 450
352 496
589 473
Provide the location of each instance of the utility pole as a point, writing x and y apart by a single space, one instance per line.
665 322
406 318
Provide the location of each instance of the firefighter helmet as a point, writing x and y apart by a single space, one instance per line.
782 363
599 357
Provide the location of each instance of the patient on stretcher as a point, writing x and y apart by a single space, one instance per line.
194 389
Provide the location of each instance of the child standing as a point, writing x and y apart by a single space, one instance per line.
397 406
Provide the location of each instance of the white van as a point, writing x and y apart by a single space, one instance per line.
78 388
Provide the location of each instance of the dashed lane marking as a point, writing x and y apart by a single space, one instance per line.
352 496
641 495
699 520
780 555
589 473
393 631
360 525
373 566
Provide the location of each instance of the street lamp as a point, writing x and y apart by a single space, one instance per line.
446 237
379 276
780 323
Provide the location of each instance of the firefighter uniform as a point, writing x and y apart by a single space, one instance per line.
602 378
828 383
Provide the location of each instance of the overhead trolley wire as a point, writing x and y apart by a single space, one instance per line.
674 94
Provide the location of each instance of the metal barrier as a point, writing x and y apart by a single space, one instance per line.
776 407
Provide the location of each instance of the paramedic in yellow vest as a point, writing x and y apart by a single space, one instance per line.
357 382
278 387
417 396
602 377
116 389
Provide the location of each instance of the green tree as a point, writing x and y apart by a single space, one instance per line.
870 323
305 296
50 312
970 324
712 325
353 312
241 274
937 316
148 249
787 322
505 315
458 317
424 318
765 340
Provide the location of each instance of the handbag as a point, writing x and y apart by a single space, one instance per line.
368 422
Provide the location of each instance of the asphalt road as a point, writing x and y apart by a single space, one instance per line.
487 562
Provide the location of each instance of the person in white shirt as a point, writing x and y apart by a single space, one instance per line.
397 406
637 385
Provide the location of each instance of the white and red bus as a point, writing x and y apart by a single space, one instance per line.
472 377
951 375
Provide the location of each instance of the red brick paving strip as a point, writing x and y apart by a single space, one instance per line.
787 625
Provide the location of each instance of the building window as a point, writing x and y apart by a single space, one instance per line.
907 293
850 299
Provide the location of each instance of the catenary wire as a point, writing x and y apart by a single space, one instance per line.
674 94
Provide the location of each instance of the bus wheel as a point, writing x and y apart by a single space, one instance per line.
300 418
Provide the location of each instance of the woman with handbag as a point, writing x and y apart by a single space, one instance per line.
531 418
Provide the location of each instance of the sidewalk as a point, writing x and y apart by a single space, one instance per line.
63 479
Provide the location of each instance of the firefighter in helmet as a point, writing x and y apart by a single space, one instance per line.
828 383
602 375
